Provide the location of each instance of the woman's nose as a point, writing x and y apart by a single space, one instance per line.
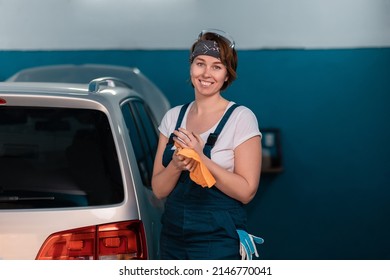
206 72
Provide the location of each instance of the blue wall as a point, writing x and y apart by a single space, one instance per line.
332 201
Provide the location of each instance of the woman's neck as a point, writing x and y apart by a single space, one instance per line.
208 105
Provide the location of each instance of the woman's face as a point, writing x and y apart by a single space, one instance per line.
208 74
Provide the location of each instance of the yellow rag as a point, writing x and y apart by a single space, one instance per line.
200 175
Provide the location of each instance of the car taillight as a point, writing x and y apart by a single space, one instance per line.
116 241
2 101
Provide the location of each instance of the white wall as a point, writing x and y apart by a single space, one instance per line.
174 24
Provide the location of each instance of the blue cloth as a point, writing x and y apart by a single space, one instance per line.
248 244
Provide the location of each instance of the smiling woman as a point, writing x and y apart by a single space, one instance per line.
208 75
214 52
200 222
306 68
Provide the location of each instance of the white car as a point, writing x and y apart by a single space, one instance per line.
75 168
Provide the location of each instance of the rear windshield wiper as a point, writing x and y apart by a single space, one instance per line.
21 198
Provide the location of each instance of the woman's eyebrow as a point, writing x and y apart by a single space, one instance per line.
199 58
203 60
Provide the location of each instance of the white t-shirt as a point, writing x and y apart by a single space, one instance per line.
241 126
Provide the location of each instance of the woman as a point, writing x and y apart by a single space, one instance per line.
202 222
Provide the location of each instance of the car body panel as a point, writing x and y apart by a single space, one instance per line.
23 231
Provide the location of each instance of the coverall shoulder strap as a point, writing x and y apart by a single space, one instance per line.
183 110
214 136
181 115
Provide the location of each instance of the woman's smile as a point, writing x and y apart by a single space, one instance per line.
205 83
208 73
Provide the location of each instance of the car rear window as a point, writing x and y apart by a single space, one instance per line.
57 157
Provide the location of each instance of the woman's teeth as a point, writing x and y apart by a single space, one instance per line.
203 83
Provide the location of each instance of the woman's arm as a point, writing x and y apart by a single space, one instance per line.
243 182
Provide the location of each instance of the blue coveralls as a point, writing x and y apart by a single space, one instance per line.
200 223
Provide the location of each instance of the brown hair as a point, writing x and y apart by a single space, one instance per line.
228 56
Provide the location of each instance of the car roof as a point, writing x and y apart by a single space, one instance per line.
72 73
85 91
45 88
65 95
85 73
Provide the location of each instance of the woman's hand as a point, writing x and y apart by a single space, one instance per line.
183 163
188 139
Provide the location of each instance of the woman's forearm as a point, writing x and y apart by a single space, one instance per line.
164 181
243 182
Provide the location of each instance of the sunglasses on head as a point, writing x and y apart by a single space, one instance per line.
221 34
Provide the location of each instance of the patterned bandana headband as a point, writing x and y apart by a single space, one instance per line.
206 47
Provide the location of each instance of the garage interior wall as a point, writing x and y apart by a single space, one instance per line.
318 70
